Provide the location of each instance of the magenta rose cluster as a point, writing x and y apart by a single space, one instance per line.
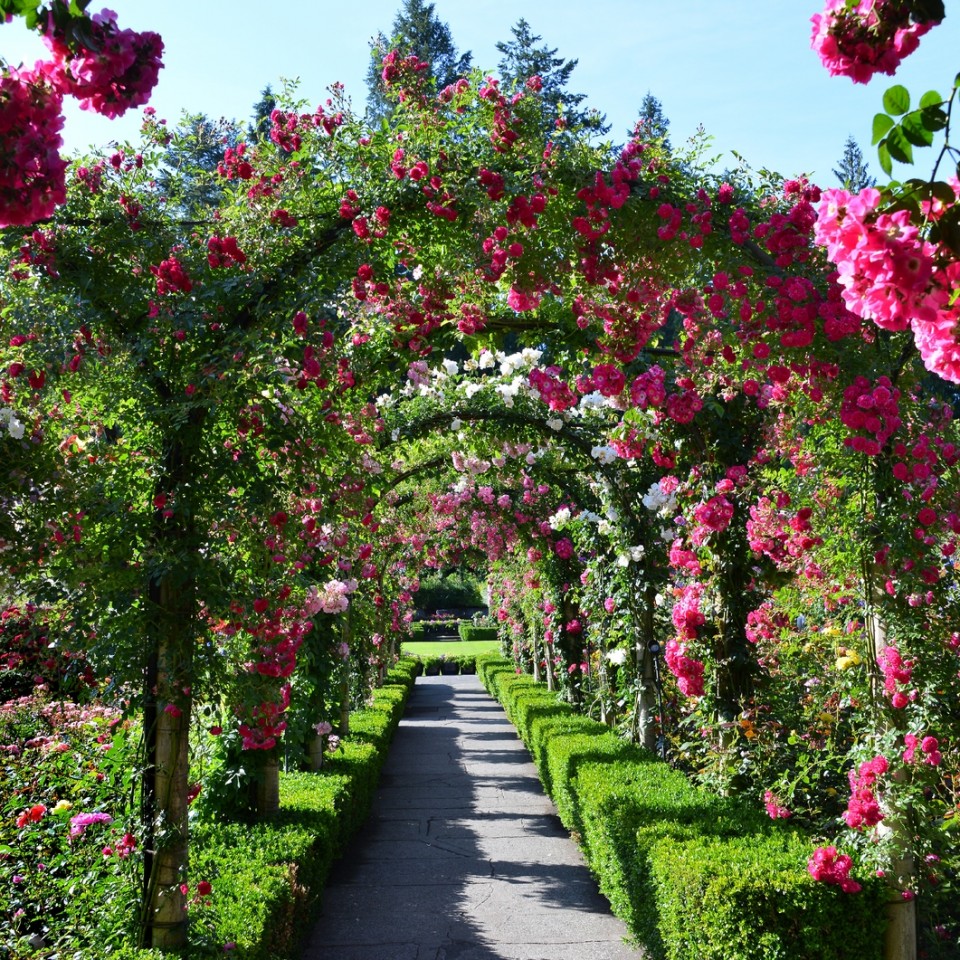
861 39
118 71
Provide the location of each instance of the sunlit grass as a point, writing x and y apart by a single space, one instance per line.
449 648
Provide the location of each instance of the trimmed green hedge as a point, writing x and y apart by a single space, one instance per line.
267 876
469 631
695 876
464 662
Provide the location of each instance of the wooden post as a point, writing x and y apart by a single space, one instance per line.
315 752
344 726
900 940
267 787
536 650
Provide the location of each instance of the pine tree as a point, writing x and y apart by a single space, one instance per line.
853 172
521 59
191 183
260 123
418 31
652 123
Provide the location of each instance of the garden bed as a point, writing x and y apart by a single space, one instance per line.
254 885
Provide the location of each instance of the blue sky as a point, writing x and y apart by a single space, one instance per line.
743 69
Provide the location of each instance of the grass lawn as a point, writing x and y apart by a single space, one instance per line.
449 648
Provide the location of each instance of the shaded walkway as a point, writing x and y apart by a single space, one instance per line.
463 857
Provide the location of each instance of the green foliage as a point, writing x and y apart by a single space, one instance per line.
450 589
419 31
265 877
750 898
448 648
693 873
897 131
653 122
473 634
522 59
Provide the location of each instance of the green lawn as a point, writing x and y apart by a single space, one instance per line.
449 648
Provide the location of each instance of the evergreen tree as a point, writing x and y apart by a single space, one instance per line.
853 172
652 122
521 59
259 125
190 182
416 30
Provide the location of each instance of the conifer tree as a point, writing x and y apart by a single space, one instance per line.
656 126
522 59
419 31
853 171
259 125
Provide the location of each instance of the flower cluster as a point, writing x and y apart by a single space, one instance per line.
712 516
32 173
866 37
171 277
332 598
775 809
266 725
929 747
827 866
863 808
14 427
117 71
872 413
81 821
32 814
896 675
687 618
890 274
773 532
224 252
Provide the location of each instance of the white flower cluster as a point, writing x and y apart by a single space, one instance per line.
510 364
593 401
560 519
630 555
604 454
658 502
663 505
508 391
9 420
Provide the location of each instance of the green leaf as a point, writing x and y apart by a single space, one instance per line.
947 230
931 99
934 118
928 11
883 153
915 131
943 192
896 100
899 146
882 124
925 190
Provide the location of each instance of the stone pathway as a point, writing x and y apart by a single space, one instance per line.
464 857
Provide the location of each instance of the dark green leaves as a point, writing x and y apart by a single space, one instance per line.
895 139
928 11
